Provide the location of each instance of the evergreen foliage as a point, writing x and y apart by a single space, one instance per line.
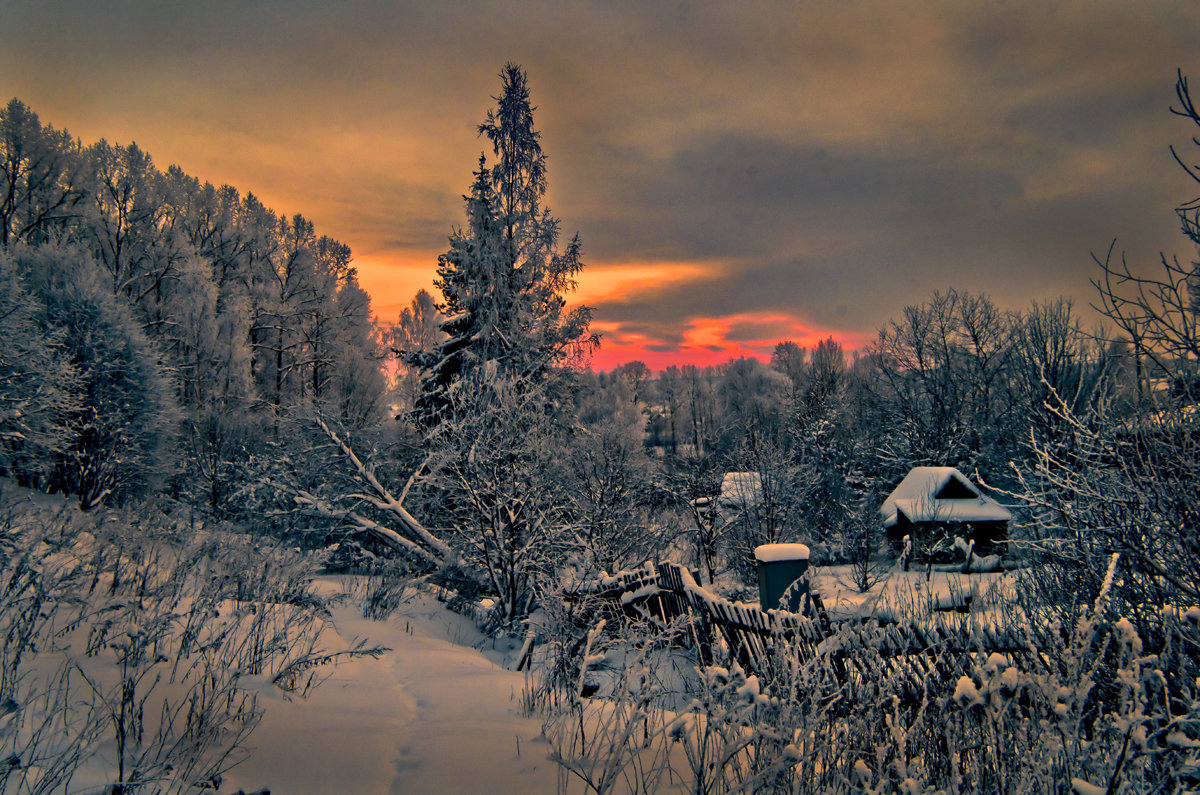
503 277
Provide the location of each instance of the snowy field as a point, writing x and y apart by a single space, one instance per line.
441 711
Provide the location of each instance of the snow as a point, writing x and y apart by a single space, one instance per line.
751 691
966 694
1082 787
649 589
435 714
994 663
915 498
770 553
1178 739
912 592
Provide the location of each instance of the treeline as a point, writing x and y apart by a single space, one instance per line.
159 330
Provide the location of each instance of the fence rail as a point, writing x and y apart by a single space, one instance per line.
762 640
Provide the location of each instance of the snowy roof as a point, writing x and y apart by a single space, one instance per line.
940 494
769 553
741 489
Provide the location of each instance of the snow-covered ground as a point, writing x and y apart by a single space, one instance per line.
440 713
910 593
437 714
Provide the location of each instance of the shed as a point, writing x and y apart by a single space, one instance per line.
940 502
741 490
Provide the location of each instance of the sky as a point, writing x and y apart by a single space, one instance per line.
739 173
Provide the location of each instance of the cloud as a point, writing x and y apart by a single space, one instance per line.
827 163
604 283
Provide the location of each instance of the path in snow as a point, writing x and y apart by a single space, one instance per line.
431 716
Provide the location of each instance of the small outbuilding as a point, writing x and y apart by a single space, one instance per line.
741 491
934 503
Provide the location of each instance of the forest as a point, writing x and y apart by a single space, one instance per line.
205 384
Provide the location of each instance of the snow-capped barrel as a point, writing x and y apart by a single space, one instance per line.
780 567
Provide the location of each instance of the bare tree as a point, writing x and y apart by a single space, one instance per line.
1123 478
496 463
940 380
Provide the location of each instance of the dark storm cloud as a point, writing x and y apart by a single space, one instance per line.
758 330
744 196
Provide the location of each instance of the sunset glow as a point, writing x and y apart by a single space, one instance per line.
711 341
737 176
605 283
506 397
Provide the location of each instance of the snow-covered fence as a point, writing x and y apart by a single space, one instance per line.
656 593
762 641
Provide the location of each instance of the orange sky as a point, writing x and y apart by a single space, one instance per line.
739 173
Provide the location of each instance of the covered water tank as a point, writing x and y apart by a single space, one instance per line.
779 567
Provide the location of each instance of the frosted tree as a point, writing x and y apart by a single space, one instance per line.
497 461
126 413
40 182
39 387
1054 359
489 395
790 359
318 317
416 333
668 398
207 345
608 485
355 387
940 379
126 225
503 278
752 395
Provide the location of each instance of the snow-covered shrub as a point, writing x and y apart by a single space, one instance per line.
383 589
135 649
617 743
562 626
863 544
733 736
496 465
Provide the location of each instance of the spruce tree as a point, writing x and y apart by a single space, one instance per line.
503 277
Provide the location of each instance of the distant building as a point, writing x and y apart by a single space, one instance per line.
934 503
741 491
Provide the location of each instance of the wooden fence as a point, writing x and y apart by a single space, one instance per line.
761 641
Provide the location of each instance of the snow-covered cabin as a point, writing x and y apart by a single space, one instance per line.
941 501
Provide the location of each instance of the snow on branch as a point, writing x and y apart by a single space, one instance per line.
411 535
316 507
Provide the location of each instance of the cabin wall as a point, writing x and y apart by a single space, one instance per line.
990 537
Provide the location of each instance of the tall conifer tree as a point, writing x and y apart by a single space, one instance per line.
503 277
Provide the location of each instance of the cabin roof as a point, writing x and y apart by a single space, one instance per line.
940 494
